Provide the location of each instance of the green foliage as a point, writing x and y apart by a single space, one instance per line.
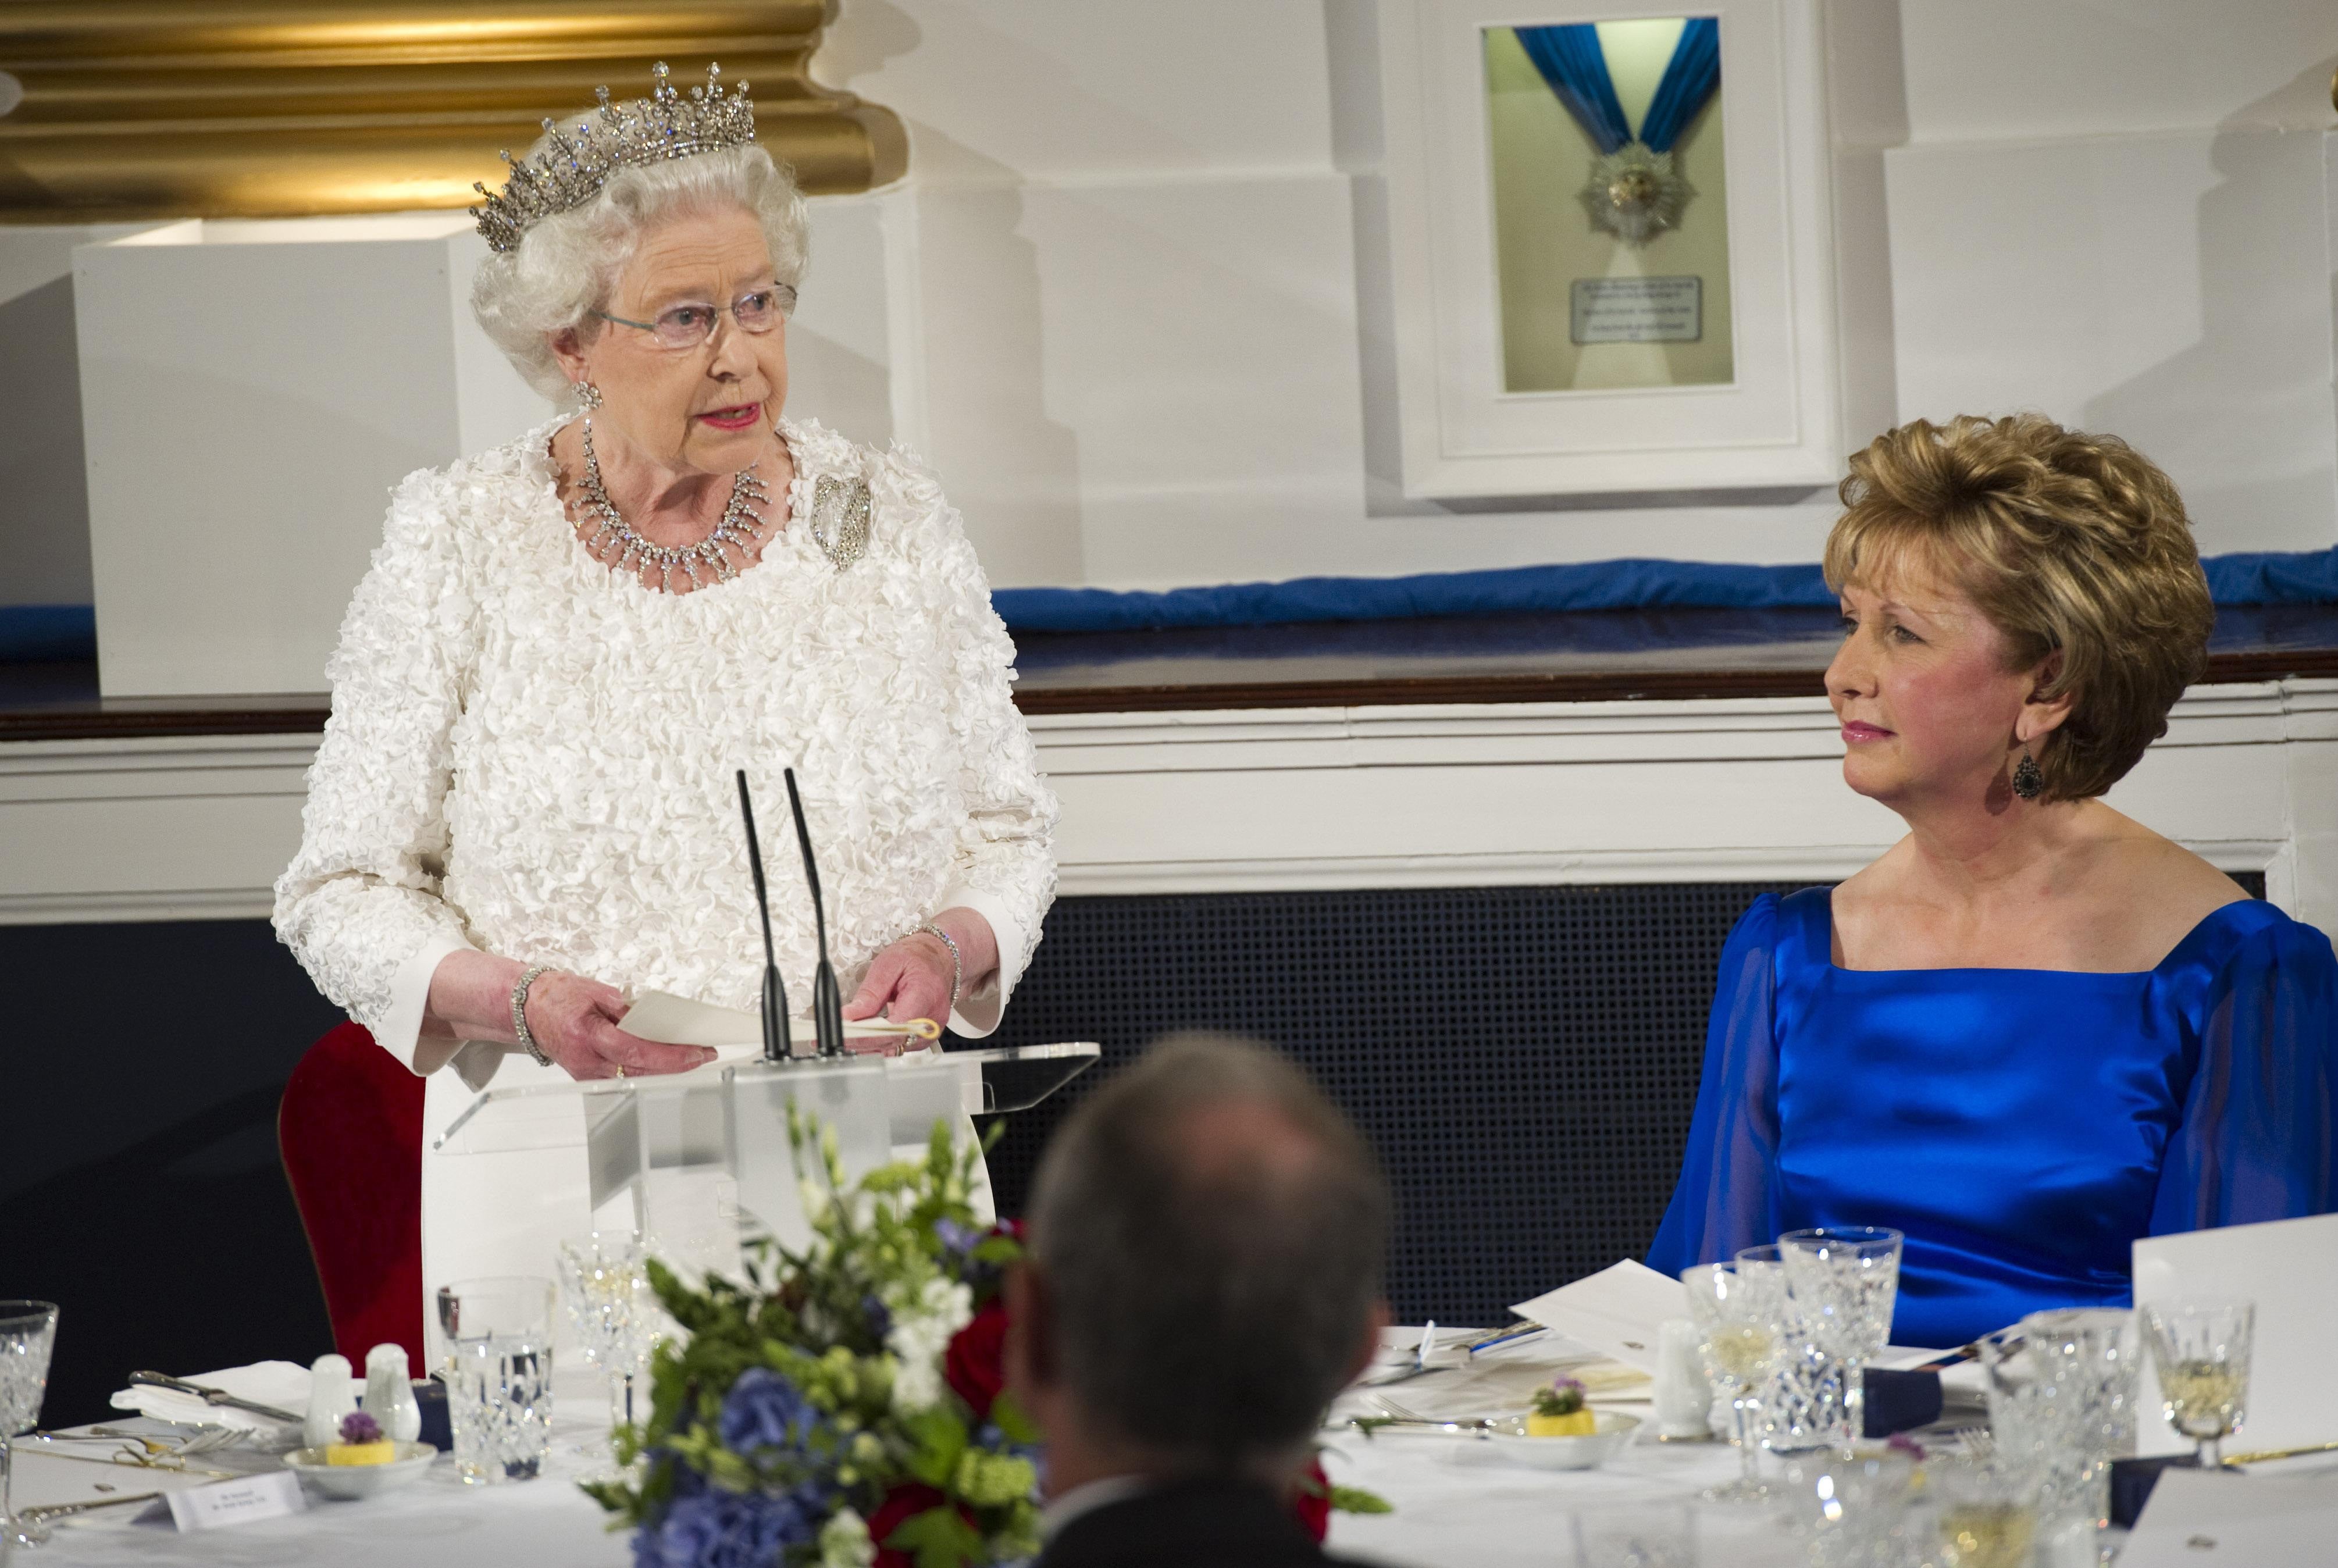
833 1320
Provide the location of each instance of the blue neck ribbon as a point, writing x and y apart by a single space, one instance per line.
1570 57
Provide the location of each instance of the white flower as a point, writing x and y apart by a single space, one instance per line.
922 1329
844 1542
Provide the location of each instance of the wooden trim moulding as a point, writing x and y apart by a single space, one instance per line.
148 718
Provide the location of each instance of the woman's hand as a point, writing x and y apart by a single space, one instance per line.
910 979
573 1019
574 1022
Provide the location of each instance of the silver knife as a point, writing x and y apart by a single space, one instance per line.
215 1397
41 1513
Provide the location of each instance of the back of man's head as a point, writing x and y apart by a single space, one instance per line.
1211 1232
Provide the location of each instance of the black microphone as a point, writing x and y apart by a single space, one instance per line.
776 1046
826 1002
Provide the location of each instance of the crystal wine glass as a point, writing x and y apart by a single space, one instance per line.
1738 1316
2201 1350
28 1332
605 1284
1846 1280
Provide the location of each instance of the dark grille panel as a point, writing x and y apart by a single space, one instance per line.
1528 1149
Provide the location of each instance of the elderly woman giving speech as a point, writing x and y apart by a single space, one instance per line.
524 803
2034 1030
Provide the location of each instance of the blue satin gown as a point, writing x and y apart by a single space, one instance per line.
2023 1126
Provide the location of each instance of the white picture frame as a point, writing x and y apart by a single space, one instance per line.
1777 423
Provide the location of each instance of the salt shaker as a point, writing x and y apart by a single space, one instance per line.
1683 1395
389 1394
329 1399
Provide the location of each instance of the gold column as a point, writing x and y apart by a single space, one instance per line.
262 108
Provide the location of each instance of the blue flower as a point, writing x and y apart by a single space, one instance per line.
717 1529
765 1410
957 1237
880 1321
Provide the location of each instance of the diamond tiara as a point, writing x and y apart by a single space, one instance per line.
572 170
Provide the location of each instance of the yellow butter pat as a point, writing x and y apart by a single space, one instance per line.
1574 1423
380 1453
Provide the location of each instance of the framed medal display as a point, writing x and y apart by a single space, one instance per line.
1612 247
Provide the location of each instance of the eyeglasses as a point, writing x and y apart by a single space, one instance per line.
688 326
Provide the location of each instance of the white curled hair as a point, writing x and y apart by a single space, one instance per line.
566 264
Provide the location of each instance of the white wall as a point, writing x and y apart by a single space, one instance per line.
2126 222
1146 341
43 494
1132 298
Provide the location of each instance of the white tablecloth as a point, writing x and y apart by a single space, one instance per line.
1447 1511
437 1522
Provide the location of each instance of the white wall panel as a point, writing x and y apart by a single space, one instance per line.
1432 796
43 489
1143 383
1090 88
1984 69
2173 288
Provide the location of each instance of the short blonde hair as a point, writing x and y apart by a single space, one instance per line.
2067 543
566 264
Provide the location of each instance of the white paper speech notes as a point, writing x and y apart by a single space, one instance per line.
1619 1311
223 1504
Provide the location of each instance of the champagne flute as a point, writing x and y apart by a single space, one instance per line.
2201 1352
1738 1313
28 1332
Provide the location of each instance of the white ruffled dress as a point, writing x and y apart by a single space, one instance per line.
532 755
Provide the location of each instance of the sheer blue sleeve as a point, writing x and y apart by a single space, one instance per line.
2256 1139
1723 1201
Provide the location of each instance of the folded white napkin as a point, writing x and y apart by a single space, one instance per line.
277 1383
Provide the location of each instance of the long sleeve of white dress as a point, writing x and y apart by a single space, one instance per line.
359 905
1006 859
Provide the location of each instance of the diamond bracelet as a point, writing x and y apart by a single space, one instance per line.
519 1015
957 961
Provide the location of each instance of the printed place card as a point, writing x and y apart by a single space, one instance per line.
223 1504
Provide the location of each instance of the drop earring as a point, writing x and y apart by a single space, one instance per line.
588 395
2027 779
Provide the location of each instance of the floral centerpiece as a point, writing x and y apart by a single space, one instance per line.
842 1406
845 1406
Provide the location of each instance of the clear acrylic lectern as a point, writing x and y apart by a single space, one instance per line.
686 1160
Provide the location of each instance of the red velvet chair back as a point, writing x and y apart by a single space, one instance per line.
350 1129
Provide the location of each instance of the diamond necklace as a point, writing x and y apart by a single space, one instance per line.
628 551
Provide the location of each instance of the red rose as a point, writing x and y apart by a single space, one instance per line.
1310 1501
902 1505
974 1366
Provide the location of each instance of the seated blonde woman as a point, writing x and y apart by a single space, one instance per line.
2034 1030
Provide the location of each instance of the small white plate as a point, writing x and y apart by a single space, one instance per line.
355 1480
1507 1442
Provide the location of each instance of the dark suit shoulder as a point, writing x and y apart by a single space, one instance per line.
1197 1524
